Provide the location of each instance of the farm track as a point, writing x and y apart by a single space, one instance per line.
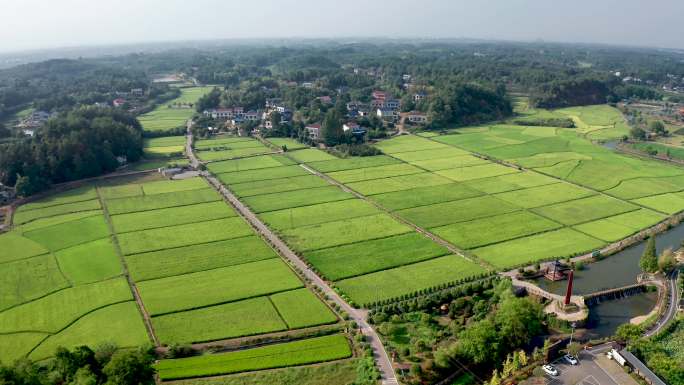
134 289
380 355
672 305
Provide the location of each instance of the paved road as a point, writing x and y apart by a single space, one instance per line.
588 372
672 306
359 316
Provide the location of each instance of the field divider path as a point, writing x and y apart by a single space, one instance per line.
451 247
359 316
147 319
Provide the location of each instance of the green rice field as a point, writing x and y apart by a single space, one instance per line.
164 117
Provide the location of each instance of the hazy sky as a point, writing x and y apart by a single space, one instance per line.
28 24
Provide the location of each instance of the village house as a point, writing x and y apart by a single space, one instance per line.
417 117
379 95
387 114
225 113
325 99
377 103
394 104
314 131
406 77
307 84
272 103
354 128
118 102
418 96
137 92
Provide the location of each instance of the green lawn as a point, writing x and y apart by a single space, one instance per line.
343 232
194 258
211 287
408 279
359 258
308 351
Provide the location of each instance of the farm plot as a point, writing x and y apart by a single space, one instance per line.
165 117
398 183
124 327
56 220
183 235
407 279
375 255
227 144
476 172
643 187
200 257
219 154
353 163
423 196
620 226
317 214
494 229
585 209
172 216
211 287
510 182
80 194
553 244
277 185
361 174
545 195
300 308
426 155
15 247
164 147
27 279
290 199
307 351
261 174
669 203
22 216
450 163
71 233
408 143
89 262
169 186
253 163
310 155
235 319
161 201
289 143
457 211
343 232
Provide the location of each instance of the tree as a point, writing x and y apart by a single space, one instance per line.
666 261
658 127
573 348
130 368
479 342
4 131
332 128
628 332
637 133
517 320
649 259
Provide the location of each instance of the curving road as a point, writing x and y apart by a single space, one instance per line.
380 355
672 305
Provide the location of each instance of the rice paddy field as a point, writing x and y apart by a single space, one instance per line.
229 147
342 236
201 271
169 115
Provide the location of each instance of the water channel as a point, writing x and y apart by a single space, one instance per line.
617 270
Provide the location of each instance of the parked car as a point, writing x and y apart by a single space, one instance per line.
550 370
570 359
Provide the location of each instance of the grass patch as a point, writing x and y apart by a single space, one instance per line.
308 351
553 244
216 286
194 258
480 232
343 232
301 308
183 235
408 279
369 256
236 319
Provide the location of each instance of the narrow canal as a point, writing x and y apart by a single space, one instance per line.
617 270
